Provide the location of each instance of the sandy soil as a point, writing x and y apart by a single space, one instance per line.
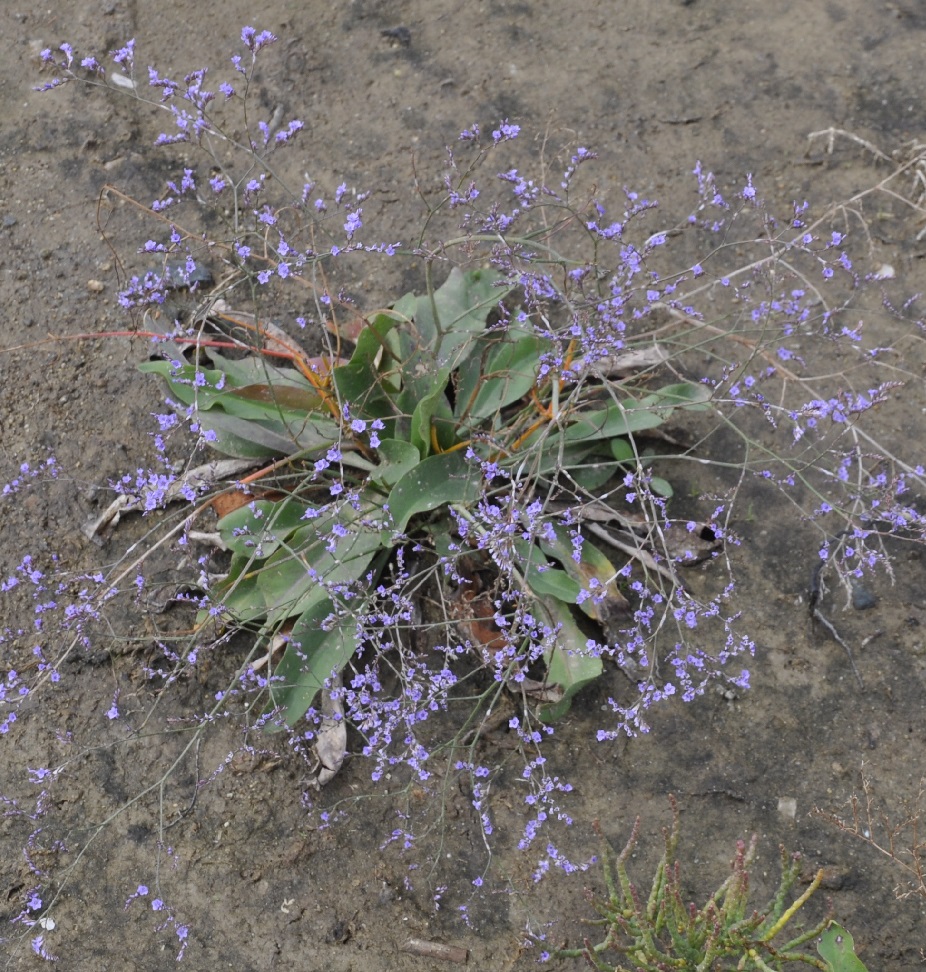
653 86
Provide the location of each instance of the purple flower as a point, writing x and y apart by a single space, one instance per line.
254 41
287 133
168 87
353 223
140 892
125 55
505 132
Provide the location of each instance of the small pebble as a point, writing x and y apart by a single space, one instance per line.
862 598
787 807
400 36
121 80
96 286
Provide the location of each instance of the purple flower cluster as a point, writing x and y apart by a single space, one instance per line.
47 468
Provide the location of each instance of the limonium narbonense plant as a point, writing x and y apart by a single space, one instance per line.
466 492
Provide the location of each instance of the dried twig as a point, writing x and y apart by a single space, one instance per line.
898 839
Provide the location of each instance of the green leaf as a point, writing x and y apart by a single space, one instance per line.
359 381
396 458
372 340
262 525
685 393
243 439
553 583
224 377
504 373
661 487
403 310
462 304
434 402
313 655
590 429
298 574
238 592
614 420
444 426
444 478
540 576
569 663
837 949
592 475
622 450
253 370
437 340
556 456
252 420
276 398
625 418
254 438
593 573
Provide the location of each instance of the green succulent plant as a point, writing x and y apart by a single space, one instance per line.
662 932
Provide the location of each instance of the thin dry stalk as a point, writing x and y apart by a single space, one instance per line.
898 839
